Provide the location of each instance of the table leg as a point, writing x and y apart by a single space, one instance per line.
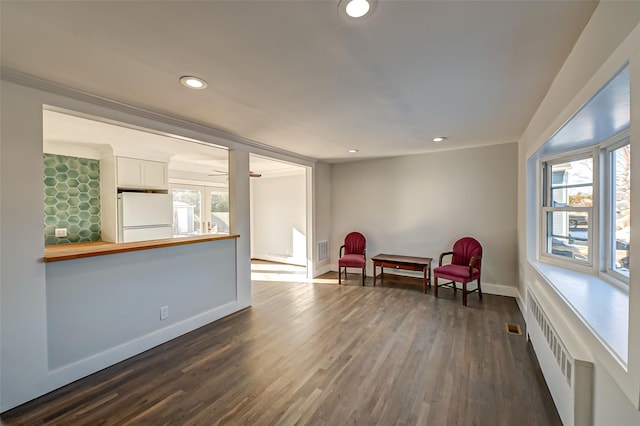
374 273
424 280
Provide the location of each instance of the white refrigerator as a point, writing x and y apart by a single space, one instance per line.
144 216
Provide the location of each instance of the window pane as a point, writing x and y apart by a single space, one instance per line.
568 234
219 212
572 183
622 206
186 211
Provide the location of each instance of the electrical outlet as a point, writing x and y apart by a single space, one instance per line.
61 232
164 312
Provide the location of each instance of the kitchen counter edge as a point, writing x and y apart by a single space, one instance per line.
56 253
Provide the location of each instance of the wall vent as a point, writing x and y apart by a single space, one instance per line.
570 380
323 250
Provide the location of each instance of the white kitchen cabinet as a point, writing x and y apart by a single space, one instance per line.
134 173
118 174
129 172
155 174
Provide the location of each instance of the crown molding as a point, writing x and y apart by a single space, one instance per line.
38 83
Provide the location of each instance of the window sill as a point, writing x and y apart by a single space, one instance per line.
601 306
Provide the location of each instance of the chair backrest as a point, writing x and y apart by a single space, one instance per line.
354 243
464 249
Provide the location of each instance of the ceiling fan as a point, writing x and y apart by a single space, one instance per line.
223 173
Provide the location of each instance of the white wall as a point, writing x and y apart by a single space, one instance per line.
610 39
321 214
32 360
23 326
420 205
279 219
101 310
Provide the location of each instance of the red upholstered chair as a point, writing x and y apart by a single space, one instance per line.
354 256
465 266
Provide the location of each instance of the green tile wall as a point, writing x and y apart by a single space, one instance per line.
71 198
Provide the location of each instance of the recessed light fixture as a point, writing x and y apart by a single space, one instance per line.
353 151
193 82
354 9
439 139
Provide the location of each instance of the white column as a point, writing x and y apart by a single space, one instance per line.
240 219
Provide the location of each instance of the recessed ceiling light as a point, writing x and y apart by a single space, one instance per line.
356 8
353 151
439 139
193 82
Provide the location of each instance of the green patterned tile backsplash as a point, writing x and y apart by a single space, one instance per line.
71 198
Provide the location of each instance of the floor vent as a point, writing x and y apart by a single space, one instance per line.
570 380
323 250
513 329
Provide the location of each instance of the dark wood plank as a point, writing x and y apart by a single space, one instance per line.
319 353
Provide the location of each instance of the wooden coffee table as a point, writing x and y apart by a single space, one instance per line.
409 263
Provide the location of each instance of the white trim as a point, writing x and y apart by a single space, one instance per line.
608 233
500 290
82 368
605 320
545 184
321 270
522 304
288 260
488 288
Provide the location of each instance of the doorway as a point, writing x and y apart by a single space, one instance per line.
279 212
200 209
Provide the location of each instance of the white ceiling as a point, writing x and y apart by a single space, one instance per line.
296 76
69 134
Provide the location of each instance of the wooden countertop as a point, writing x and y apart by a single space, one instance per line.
55 253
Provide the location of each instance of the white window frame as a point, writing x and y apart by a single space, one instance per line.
601 215
608 209
545 166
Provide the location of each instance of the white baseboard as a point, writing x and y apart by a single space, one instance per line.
521 303
280 259
84 367
489 288
499 289
322 269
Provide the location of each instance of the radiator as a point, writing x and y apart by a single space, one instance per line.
323 250
570 380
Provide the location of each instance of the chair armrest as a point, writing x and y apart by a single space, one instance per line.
364 253
472 262
442 255
341 249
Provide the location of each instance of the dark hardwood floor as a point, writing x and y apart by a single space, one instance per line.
319 353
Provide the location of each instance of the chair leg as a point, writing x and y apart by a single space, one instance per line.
339 275
464 294
479 289
363 275
435 286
